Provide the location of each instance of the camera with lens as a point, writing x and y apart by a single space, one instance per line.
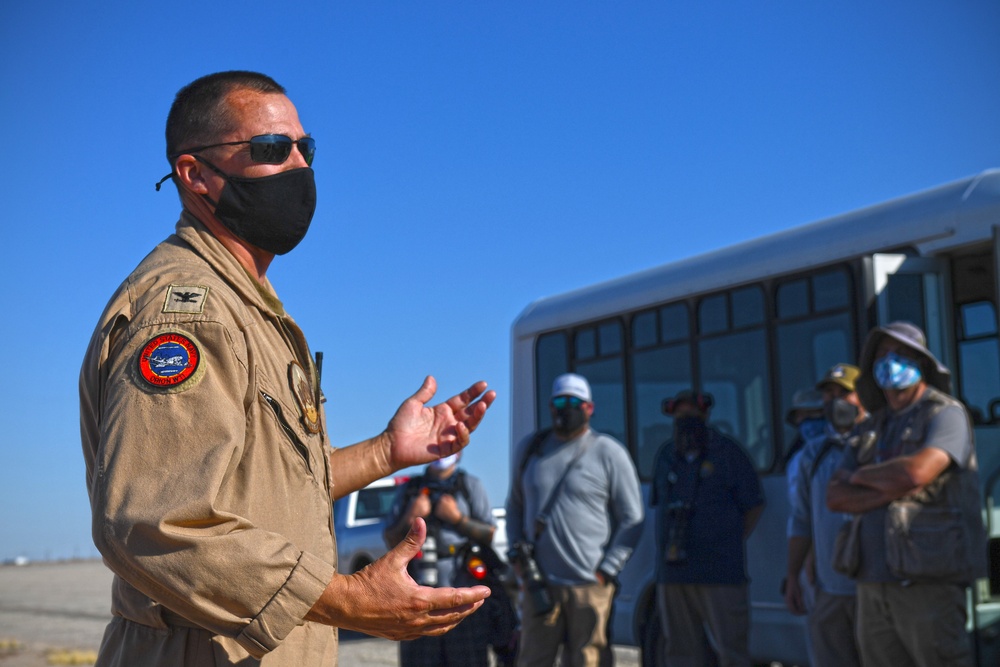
424 566
678 514
522 554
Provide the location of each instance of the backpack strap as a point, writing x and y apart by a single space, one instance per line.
823 451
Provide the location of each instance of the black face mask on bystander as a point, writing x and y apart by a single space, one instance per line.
568 420
690 433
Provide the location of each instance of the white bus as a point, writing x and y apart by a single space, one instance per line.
755 322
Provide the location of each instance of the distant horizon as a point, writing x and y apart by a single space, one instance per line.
471 159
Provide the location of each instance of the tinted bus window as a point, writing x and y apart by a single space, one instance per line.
657 374
586 344
644 330
551 360
811 335
674 323
748 307
606 376
793 299
907 302
610 339
806 350
712 315
734 370
831 291
979 359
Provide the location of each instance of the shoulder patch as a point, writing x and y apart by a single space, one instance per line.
185 299
169 359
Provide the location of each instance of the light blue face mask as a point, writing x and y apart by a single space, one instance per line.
895 372
812 428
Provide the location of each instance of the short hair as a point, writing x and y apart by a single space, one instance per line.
199 114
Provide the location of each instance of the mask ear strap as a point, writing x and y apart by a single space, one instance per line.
204 162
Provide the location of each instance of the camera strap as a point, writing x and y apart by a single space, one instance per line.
542 519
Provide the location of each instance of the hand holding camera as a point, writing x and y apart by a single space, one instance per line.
522 554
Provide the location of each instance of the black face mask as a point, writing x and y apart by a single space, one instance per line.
840 413
270 212
568 420
690 432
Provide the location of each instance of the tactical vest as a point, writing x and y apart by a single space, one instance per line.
934 533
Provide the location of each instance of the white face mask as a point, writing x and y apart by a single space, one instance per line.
446 462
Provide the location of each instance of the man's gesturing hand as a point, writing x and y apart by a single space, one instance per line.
383 600
419 434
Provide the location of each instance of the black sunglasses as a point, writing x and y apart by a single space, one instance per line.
267 148
560 402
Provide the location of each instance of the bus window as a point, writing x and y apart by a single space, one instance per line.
748 307
713 315
644 330
661 367
551 360
734 369
674 323
979 361
806 349
586 344
811 335
906 302
605 372
658 374
793 299
831 291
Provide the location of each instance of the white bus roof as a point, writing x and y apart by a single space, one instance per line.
951 214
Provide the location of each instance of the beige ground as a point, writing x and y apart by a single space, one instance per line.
55 613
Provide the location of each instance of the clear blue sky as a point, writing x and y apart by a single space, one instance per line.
472 157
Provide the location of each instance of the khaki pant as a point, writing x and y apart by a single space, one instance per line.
578 623
698 618
922 625
832 631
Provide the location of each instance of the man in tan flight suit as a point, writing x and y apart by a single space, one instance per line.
209 468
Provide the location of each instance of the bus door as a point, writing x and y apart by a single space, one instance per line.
955 302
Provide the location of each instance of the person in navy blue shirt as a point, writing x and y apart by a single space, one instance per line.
707 499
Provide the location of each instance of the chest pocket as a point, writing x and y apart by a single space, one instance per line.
283 416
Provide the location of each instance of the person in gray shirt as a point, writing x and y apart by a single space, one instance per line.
575 504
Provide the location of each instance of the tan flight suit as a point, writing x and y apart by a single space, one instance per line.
207 466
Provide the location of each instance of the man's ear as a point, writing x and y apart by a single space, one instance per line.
191 174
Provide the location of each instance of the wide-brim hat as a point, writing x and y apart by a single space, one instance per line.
804 400
934 372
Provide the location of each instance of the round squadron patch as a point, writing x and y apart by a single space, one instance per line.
302 391
168 359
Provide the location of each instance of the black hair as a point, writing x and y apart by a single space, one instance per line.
199 114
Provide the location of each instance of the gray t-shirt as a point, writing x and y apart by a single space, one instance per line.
948 431
596 519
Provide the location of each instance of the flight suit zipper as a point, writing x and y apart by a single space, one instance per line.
299 445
